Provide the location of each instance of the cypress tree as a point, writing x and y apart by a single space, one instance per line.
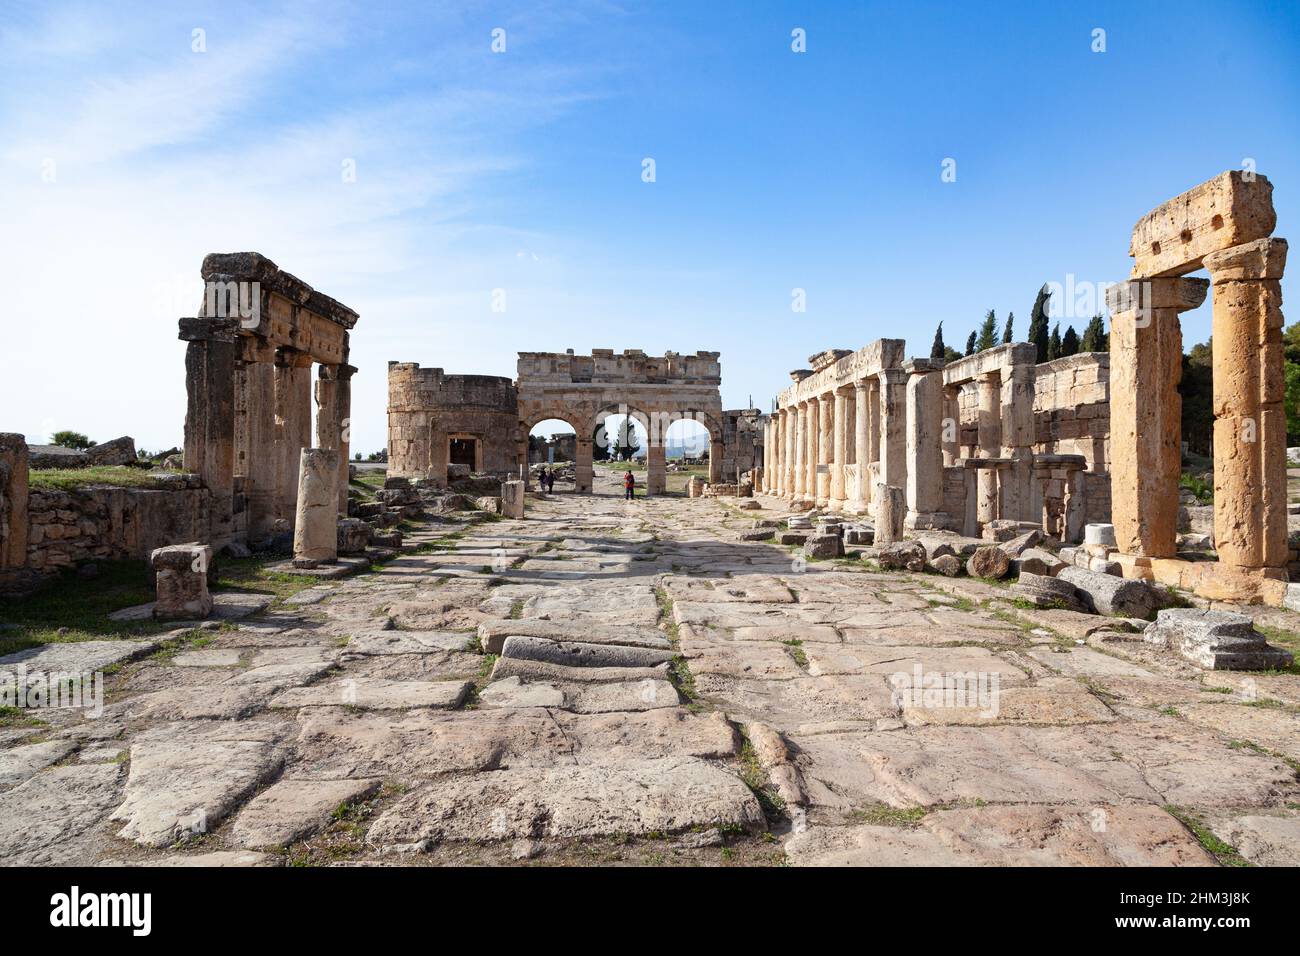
1054 343
970 344
1094 336
1070 342
988 332
1007 332
1038 324
937 350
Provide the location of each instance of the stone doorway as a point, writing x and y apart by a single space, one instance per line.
463 451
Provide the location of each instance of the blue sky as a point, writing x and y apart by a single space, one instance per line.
522 171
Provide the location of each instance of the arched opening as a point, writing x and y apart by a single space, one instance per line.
552 452
620 443
688 452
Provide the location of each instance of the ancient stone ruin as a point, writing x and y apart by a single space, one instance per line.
439 423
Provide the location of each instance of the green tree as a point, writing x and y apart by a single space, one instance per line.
970 344
1291 402
1008 333
1094 336
71 440
938 350
1038 333
1070 342
988 336
1054 343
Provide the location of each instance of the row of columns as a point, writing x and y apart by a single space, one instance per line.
249 414
834 447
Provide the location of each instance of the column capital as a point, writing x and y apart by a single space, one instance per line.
1165 292
861 385
1261 259
286 357
337 373
892 376
923 366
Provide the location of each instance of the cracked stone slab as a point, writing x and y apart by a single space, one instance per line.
558 673
218 858
1268 727
666 795
1053 701
208 657
575 654
862 699
370 693
823 660
78 657
1059 835
492 635
382 643
186 777
581 698
1263 839
735 659
54 818
19 763
282 675
292 809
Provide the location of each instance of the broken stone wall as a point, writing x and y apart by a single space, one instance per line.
428 409
1072 408
68 528
742 441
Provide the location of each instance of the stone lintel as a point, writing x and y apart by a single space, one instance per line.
1233 208
921 366
208 330
255 267
827 358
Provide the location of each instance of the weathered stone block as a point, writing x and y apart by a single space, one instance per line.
1215 640
512 499
1108 594
181 574
988 562
824 546
1047 591
902 556
353 536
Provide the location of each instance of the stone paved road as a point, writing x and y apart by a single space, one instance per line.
609 682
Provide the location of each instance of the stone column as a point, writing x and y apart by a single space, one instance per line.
893 427
1250 495
990 444
293 425
1146 360
210 416
1016 429
14 463
258 434
716 451
840 450
773 461
825 446
860 493
333 419
924 404
950 426
796 468
315 527
583 471
656 467
812 435
512 499
890 511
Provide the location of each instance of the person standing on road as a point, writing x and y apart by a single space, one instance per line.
629 484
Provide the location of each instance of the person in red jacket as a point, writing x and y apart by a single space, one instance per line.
629 483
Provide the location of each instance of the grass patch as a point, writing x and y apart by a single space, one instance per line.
755 777
115 476
251 574
1199 487
882 815
797 652
1225 853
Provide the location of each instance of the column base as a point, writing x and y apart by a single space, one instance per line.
1212 580
836 504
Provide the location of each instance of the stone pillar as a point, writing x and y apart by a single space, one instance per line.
1250 495
791 451
293 425
210 416
656 467
333 419
950 426
14 463
716 451
825 446
1076 513
1146 411
891 509
583 472
315 528
1016 428
812 436
893 427
774 460
924 445
181 581
798 443
255 434
990 444
860 493
512 499
840 451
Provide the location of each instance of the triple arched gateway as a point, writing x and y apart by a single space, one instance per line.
436 420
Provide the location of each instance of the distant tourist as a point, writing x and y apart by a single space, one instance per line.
629 483
542 478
